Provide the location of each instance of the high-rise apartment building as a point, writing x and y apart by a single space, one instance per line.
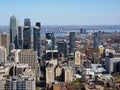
3 55
77 58
13 30
97 39
5 41
72 42
50 77
27 34
20 37
62 47
36 36
21 83
50 42
68 74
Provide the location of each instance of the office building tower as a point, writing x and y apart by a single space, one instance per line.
50 77
3 55
36 36
72 43
77 58
51 54
27 34
21 83
62 47
28 57
68 74
13 30
50 42
20 37
82 31
5 41
97 39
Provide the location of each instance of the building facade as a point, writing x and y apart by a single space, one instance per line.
20 37
13 30
27 34
50 42
29 57
62 47
5 41
3 55
72 42
36 36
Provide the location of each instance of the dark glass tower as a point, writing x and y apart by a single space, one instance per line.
97 39
72 42
36 36
62 47
13 31
50 43
27 34
20 37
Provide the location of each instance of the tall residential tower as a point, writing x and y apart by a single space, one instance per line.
13 31
27 34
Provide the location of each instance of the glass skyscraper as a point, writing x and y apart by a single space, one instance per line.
36 36
20 37
72 42
27 34
13 30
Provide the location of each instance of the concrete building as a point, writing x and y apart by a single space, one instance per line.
14 55
29 57
110 63
50 77
2 82
77 58
58 73
5 41
3 54
21 83
68 74
13 30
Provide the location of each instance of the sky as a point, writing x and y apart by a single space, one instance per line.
61 12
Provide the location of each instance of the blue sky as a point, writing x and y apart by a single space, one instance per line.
62 12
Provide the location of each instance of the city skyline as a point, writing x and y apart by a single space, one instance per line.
62 12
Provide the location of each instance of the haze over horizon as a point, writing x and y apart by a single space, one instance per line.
62 12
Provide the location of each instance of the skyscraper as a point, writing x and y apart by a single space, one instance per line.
27 34
20 37
13 30
72 42
62 47
97 40
5 41
36 35
50 43
28 57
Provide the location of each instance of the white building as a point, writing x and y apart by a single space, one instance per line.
3 55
